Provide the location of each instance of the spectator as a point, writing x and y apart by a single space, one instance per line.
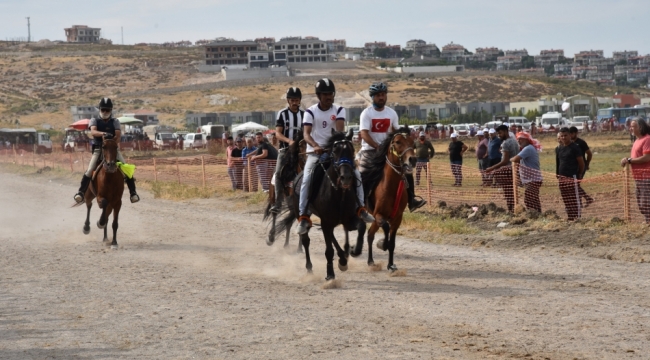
236 156
224 138
494 144
482 153
443 134
519 129
586 156
533 129
248 151
456 150
248 177
529 170
269 155
569 167
231 162
274 141
503 170
424 151
640 163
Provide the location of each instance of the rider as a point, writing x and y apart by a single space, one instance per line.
287 126
376 123
106 127
317 124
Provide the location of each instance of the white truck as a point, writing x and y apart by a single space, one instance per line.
161 136
26 139
552 122
212 132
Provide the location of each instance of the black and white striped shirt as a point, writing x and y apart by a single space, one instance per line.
291 123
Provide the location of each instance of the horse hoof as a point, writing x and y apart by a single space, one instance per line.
392 268
113 247
270 241
343 267
100 225
86 230
299 251
371 263
310 271
330 277
106 241
380 245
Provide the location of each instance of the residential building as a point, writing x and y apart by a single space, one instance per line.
259 59
550 103
626 100
265 43
523 106
563 69
484 54
582 58
624 55
548 57
645 101
295 50
370 47
621 71
581 105
453 52
229 52
430 50
411 44
637 75
82 34
148 117
509 62
516 52
336 45
81 112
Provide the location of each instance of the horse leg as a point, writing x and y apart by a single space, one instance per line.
329 252
383 244
304 240
346 247
116 213
102 218
371 237
107 210
343 259
271 238
89 204
391 249
361 231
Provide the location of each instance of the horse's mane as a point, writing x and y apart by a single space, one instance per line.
337 136
290 160
375 168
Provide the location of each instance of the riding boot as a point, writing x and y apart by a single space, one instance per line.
305 224
279 198
414 203
79 197
364 216
130 183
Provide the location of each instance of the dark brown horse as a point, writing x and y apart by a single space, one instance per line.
393 160
107 186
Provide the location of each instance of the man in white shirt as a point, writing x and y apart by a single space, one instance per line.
318 122
376 124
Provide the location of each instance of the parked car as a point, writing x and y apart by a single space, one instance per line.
493 124
520 120
461 129
193 141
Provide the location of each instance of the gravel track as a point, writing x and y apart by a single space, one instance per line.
194 279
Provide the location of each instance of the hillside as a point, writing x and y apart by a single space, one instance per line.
41 81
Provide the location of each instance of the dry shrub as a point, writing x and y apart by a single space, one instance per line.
514 232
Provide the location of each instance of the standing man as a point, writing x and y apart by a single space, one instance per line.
482 154
231 162
586 156
456 150
529 170
639 160
287 127
494 153
503 177
569 167
267 153
318 123
424 151
236 156
376 123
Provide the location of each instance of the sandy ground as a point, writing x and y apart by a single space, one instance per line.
195 279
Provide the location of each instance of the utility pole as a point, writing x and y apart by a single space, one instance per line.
29 31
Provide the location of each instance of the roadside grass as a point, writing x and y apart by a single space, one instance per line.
437 224
514 232
175 191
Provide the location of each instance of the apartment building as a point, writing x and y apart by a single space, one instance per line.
453 52
582 58
624 55
265 43
296 50
516 52
430 50
563 69
411 44
336 45
82 34
637 75
548 57
370 47
229 52
484 54
509 62
81 112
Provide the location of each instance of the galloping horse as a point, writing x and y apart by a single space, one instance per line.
292 164
393 160
107 186
332 198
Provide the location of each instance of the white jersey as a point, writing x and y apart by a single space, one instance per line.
379 124
322 123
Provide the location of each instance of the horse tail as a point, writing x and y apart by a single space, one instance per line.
285 223
267 211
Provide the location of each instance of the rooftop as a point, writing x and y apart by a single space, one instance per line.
232 43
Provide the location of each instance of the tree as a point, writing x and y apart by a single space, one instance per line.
407 53
432 116
381 52
527 62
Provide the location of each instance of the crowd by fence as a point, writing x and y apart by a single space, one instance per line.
609 195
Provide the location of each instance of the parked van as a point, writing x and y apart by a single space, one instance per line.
193 141
519 120
553 121
26 139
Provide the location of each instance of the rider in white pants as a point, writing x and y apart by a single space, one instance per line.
318 122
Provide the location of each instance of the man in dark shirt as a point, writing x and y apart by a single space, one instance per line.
269 154
586 156
569 167
482 153
502 171
456 151
424 151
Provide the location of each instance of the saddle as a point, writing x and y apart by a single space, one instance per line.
316 179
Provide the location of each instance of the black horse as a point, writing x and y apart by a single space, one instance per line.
291 165
332 198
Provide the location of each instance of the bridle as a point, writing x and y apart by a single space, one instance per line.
341 162
401 170
107 167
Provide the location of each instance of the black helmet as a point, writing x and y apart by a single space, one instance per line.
294 93
325 86
377 88
106 103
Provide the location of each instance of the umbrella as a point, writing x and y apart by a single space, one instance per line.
249 126
81 124
125 120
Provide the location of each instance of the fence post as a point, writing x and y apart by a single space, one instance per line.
203 169
626 194
71 167
250 178
15 156
155 172
178 171
33 159
429 183
515 188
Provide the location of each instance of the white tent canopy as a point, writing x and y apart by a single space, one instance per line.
248 127
125 120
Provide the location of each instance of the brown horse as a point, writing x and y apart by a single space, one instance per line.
107 186
387 179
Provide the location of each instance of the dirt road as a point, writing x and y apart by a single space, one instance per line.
195 279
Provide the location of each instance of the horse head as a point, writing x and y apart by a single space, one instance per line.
342 155
109 151
402 150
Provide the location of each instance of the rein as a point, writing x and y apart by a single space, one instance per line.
343 161
395 167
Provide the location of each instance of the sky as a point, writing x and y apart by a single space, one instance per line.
572 25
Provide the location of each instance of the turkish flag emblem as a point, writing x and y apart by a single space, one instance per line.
380 125
333 117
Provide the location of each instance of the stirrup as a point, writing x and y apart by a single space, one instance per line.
134 198
416 204
79 197
364 215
